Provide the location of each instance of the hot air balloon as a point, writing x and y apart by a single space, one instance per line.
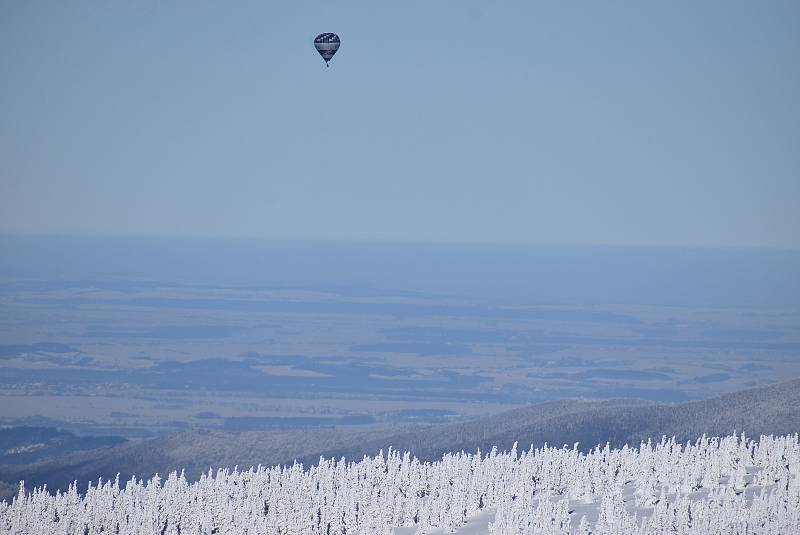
327 44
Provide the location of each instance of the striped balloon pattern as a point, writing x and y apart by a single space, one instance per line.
327 44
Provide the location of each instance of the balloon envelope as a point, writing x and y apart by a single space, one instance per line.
327 44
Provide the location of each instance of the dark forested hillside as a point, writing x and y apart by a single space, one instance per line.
768 410
27 444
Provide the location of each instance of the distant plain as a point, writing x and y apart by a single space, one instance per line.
151 351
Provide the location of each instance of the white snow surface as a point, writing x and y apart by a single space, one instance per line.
729 485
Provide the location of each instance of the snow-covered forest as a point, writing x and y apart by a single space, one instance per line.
711 486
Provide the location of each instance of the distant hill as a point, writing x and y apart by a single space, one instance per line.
26 444
767 410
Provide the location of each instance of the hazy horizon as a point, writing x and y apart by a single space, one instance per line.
525 274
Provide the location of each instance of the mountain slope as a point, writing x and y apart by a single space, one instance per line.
27 444
767 410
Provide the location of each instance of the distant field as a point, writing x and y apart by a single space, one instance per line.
137 337
141 359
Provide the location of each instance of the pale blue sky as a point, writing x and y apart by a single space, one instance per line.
669 123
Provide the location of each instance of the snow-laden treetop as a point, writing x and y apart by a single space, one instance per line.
711 486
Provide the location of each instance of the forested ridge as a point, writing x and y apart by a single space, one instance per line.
731 485
765 410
